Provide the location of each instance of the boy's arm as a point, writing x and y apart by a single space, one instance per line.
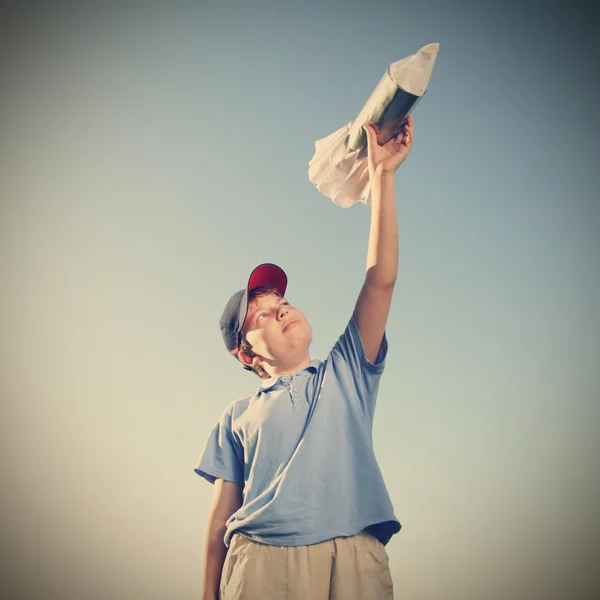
373 304
227 499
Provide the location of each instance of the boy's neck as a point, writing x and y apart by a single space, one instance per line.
289 370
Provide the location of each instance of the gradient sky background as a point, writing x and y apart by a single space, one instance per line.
151 157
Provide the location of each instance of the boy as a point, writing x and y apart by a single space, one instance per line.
300 509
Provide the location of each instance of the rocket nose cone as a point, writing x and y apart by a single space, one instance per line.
431 49
413 72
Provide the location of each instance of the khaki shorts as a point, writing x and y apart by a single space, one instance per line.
343 568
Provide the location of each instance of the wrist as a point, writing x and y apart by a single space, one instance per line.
382 181
380 175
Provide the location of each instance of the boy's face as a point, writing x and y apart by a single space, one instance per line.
277 331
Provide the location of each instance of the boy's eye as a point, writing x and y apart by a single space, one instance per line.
264 314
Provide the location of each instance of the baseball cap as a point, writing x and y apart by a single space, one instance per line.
236 309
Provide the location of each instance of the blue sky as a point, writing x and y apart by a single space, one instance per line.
152 157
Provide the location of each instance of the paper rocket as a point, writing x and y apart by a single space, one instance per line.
339 166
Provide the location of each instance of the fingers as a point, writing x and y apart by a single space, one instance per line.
369 129
371 135
404 135
407 134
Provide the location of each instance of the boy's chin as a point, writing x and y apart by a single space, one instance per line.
301 345
294 355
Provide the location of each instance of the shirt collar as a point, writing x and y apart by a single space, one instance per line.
270 383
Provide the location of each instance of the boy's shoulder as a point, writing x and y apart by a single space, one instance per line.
236 408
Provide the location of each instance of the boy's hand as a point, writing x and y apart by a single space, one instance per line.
387 158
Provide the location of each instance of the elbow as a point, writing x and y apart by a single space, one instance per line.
380 282
215 535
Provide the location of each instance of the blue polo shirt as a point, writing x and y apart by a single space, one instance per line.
302 449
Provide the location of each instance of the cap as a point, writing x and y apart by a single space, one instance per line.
234 315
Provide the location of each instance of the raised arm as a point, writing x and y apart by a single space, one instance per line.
373 304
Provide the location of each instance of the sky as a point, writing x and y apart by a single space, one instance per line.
152 156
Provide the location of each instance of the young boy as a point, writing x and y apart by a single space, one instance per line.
300 509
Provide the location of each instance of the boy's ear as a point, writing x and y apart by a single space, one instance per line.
246 359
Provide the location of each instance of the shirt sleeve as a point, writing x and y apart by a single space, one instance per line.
360 374
222 455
